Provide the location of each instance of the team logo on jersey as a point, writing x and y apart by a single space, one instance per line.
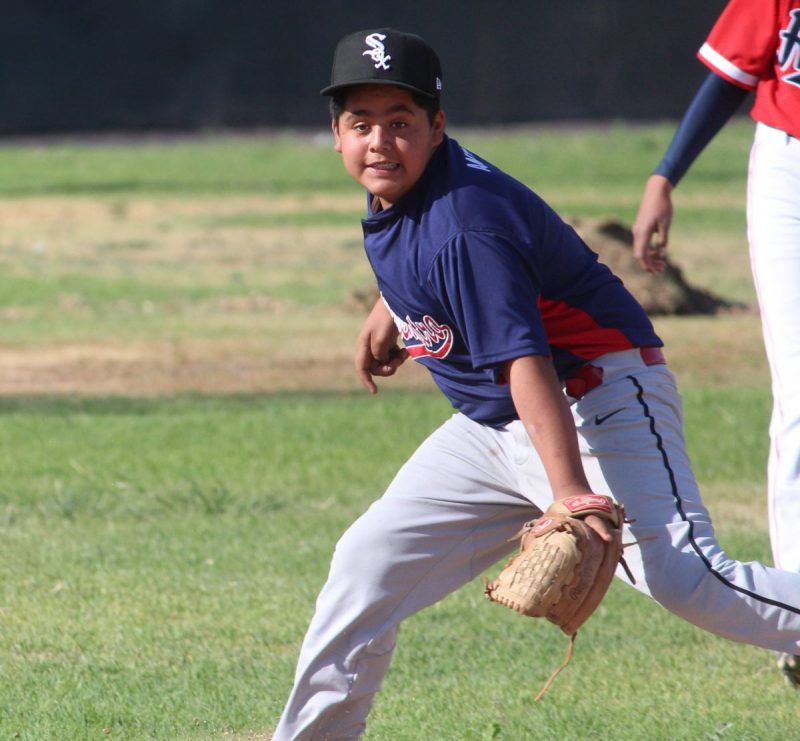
425 338
377 51
789 52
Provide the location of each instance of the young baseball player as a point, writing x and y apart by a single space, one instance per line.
559 386
754 45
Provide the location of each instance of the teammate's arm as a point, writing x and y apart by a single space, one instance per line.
715 102
377 352
543 409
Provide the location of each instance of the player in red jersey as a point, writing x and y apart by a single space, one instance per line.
754 46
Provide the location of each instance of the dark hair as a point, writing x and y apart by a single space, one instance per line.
338 100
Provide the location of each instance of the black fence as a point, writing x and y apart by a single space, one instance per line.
101 65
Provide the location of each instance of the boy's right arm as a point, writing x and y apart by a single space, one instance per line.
377 352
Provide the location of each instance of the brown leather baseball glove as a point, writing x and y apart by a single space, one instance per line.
563 568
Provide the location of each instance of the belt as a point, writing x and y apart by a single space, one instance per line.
589 376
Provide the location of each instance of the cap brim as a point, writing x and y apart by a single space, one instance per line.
332 89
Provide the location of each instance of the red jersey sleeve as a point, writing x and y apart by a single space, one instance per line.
741 46
755 44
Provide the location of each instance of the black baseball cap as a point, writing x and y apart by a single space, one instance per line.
385 57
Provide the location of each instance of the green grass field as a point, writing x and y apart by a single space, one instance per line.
184 442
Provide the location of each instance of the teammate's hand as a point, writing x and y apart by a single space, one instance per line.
651 227
377 353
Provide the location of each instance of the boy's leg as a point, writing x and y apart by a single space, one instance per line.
446 517
638 455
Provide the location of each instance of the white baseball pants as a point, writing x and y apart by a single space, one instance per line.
773 219
451 509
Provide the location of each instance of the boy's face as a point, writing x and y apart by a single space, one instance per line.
386 140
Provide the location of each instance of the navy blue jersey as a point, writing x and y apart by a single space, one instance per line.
477 269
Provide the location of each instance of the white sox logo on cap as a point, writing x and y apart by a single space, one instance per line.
377 50
363 58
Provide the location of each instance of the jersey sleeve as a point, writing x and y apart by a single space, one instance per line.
490 291
742 43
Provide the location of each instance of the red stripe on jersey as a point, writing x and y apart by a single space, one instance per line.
420 351
576 332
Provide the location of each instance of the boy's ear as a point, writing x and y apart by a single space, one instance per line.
337 142
438 124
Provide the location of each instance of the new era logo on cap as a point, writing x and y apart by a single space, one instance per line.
386 57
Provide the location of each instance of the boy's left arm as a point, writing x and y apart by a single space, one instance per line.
544 410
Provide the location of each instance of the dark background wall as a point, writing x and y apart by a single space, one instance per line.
94 65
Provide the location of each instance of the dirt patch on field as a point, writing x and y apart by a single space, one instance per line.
158 369
666 294
154 296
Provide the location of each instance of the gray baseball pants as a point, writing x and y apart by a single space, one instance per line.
450 511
